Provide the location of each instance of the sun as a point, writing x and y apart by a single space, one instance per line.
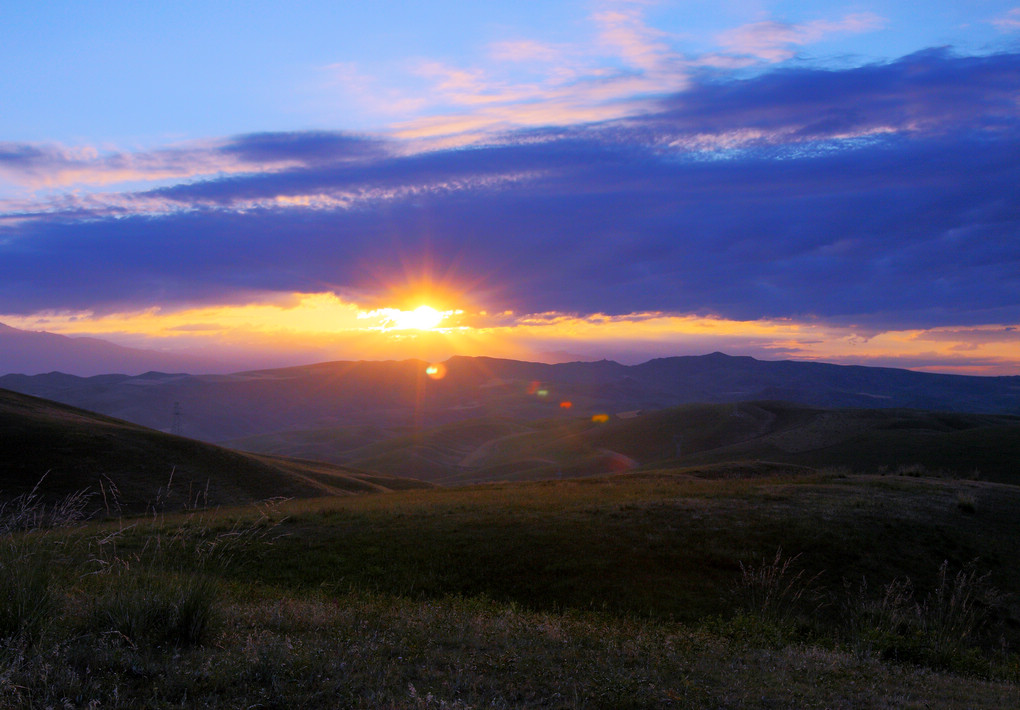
421 318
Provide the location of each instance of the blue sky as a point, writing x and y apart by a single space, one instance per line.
129 74
626 179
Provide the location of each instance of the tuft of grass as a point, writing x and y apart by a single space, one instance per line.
956 610
146 582
881 626
27 595
774 590
153 579
28 511
941 631
153 609
965 503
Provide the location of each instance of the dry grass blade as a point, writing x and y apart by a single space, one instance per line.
773 589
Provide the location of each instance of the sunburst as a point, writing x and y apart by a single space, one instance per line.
421 318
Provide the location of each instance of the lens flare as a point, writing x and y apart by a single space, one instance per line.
436 371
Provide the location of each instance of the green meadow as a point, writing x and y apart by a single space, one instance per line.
655 589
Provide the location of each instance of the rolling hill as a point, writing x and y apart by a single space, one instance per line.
694 437
75 450
389 396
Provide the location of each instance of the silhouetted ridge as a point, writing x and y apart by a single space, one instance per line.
392 394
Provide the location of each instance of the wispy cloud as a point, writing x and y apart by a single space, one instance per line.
54 166
775 41
525 50
628 63
640 46
1010 22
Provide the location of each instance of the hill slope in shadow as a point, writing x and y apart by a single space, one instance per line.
701 436
75 450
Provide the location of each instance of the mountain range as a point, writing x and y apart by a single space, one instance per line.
31 352
388 396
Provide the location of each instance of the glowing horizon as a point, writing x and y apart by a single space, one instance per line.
324 323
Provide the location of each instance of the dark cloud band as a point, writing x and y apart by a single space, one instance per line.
883 195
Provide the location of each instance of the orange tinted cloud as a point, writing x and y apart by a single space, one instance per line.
334 328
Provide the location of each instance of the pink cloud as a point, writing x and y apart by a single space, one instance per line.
635 42
775 41
1010 22
36 166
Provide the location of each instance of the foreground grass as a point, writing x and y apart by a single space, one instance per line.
651 590
649 545
373 651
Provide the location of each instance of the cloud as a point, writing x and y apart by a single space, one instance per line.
1010 22
879 197
305 148
36 166
52 166
774 41
525 50
637 44
536 84
925 94
614 77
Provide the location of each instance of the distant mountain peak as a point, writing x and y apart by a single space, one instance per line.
37 352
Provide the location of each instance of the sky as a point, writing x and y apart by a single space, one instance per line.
280 183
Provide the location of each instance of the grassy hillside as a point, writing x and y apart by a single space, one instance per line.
866 440
498 449
651 543
78 450
644 590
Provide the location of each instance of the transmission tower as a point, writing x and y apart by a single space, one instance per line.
177 429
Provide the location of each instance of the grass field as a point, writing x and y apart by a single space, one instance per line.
656 589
